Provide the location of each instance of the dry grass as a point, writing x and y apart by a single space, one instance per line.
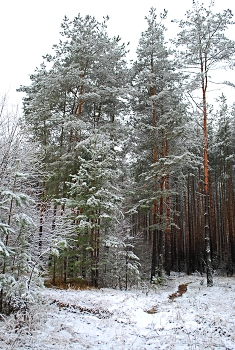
78 284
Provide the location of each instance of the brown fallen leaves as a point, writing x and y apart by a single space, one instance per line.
96 311
182 288
153 310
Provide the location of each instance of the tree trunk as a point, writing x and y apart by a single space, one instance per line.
206 181
168 220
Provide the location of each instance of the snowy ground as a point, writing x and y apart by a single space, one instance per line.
202 318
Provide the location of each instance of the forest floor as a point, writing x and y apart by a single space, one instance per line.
169 317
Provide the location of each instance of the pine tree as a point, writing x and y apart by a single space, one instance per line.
81 94
205 47
95 202
158 118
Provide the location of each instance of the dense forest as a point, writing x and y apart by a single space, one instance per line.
118 173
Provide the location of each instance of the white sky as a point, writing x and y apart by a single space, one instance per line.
29 28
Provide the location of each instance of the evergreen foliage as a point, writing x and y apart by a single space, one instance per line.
19 279
125 191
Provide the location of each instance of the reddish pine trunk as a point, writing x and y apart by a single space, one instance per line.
206 177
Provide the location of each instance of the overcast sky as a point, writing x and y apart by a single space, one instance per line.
29 28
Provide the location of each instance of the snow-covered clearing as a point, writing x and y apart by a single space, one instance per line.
202 318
